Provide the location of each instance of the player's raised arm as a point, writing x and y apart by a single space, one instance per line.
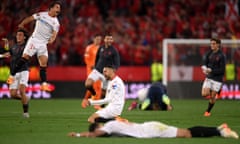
26 21
96 133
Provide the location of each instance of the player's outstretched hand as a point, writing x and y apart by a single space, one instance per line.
72 134
21 26
85 103
4 39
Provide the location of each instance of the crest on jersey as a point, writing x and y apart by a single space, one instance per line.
114 86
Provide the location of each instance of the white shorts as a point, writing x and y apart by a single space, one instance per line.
211 84
96 75
34 46
109 112
20 78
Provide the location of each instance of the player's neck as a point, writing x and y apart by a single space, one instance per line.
20 42
113 76
107 45
215 50
51 14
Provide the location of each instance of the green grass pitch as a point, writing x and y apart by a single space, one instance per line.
51 120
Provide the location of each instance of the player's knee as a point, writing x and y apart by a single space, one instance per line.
26 57
205 93
184 133
89 83
13 94
22 92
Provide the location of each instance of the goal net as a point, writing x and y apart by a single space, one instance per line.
182 60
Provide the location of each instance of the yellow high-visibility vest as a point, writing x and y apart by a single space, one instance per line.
230 72
4 73
156 71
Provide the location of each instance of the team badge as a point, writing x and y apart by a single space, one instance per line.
114 86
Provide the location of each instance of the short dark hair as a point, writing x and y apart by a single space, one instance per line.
24 32
93 127
54 3
97 34
218 41
108 34
110 66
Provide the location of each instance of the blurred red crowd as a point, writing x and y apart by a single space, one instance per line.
138 26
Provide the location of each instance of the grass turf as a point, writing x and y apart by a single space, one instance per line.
51 120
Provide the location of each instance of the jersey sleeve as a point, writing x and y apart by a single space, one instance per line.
99 102
37 16
116 59
205 58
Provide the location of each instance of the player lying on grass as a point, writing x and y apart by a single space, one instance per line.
153 129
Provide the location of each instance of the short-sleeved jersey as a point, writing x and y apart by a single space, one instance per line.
16 53
45 25
107 56
216 61
115 97
116 92
151 129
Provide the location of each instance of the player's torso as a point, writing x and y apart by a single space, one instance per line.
16 54
116 91
107 53
17 51
214 59
45 25
106 57
90 54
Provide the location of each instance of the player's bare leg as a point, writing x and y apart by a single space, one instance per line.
21 96
206 92
97 87
211 103
14 94
25 100
43 72
89 86
183 133
90 92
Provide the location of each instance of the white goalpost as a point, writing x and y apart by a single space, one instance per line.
195 42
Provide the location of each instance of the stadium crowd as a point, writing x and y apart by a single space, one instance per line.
138 26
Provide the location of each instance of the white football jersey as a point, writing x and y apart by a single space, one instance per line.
151 129
45 25
115 98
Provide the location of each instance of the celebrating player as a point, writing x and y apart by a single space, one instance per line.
213 68
153 129
22 74
115 98
152 98
45 32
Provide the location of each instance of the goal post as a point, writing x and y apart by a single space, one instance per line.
173 43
